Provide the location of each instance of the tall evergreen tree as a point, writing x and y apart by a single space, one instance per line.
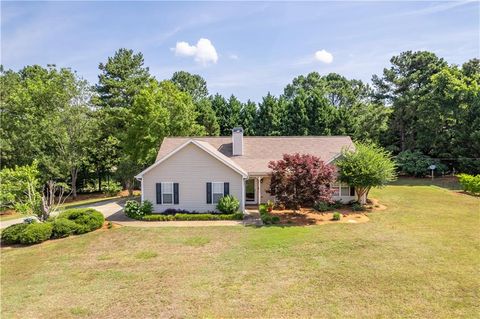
269 116
248 118
192 84
405 85
296 121
220 107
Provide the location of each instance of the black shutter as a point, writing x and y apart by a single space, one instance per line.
226 189
175 193
159 193
209 193
352 191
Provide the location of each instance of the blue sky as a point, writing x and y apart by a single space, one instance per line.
248 48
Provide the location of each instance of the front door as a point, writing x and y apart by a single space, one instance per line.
250 197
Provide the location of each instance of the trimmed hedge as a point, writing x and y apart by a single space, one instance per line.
11 234
35 233
86 219
182 216
63 227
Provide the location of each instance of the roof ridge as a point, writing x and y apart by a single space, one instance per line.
283 136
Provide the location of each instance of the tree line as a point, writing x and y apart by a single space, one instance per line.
78 132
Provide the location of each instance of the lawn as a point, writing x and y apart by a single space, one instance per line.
418 258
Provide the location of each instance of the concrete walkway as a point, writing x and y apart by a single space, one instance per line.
113 212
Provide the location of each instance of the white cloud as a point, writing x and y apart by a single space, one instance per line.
233 57
324 56
204 52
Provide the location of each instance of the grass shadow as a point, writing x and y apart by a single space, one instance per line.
447 182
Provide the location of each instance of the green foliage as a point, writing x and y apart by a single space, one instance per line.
336 216
134 209
269 118
470 183
11 234
357 207
63 227
365 167
248 116
146 207
20 188
228 204
112 188
266 217
87 219
322 206
35 233
192 84
192 217
415 163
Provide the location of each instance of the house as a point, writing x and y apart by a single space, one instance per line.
193 173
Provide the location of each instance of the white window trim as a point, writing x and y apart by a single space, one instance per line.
223 191
172 193
339 186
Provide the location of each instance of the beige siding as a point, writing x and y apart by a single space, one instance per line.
264 188
191 168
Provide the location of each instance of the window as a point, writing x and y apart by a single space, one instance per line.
167 193
217 192
345 190
336 189
340 189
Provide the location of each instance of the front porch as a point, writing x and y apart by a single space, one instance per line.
257 191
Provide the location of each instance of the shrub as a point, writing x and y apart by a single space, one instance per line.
146 207
356 206
262 208
63 227
111 188
87 219
134 209
337 204
300 180
235 216
228 204
35 233
10 235
321 206
470 183
275 219
191 217
270 205
415 163
336 216
158 217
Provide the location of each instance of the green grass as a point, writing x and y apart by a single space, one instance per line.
12 216
419 258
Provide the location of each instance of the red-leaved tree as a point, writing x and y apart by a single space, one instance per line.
301 180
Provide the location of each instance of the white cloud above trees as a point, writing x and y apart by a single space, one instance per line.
203 52
324 56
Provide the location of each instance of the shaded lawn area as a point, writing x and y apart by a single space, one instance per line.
418 258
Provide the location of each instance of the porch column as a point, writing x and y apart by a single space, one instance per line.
259 180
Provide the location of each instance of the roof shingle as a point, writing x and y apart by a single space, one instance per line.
260 150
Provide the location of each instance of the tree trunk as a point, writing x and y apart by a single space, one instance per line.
130 188
74 173
360 192
99 180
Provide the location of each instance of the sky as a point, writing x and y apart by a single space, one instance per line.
241 48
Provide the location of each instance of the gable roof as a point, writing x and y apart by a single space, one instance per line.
260 150
202 145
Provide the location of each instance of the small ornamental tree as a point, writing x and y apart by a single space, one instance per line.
365 167
301 180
